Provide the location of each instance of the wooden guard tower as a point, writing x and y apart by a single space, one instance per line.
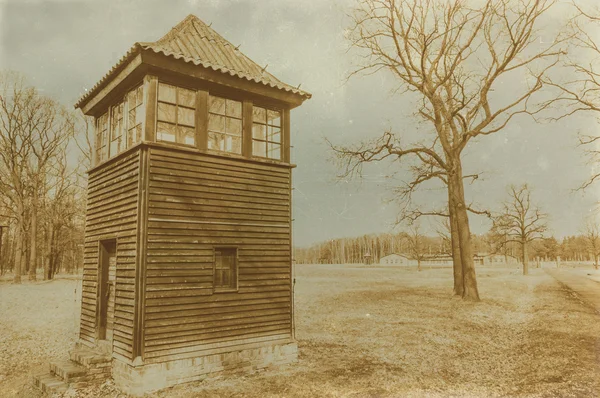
188 231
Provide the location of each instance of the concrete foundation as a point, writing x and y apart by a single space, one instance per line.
144 378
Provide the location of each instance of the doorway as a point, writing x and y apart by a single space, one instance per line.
106 288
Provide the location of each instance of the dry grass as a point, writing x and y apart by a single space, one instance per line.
393 332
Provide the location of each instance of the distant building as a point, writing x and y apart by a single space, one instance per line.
494 259
436 260
367 259
394 259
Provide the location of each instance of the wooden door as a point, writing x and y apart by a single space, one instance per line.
106 289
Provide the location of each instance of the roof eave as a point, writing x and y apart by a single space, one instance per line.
142 53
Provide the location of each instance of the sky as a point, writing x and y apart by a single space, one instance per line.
65 47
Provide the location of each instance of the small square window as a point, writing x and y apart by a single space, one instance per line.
225 276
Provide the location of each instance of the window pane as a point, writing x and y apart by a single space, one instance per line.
274 151
216 123
274 134
131 120
236 145
259 131
116 128
234 126
114 149
102 122
131 99
165 132
140 95
259 148
216 105
130 137
215 141
188 135
234 108
225 268
186 116
166 93
259 114
166 112
140 114
138 134
274 118
186 97
226 281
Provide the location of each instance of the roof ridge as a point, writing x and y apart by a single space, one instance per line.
176 28
193 21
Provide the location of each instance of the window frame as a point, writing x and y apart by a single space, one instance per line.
113 145
103 140
127 110
266 125
119 139
209 114
235 280
177 104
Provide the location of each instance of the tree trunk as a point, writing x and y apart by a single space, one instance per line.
33 239
525 258
18 253
47 263
455 246
418 264
470 291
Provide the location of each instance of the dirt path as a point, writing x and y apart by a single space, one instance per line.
583 283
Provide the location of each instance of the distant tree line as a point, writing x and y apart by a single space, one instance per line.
352 250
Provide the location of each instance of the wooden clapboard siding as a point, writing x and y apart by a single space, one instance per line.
197 201
113 192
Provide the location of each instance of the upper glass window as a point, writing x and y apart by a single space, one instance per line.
102 138
123 128
117 129
224 125
176 115
266 133
137 114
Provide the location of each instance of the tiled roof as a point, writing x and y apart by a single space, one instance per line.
193 41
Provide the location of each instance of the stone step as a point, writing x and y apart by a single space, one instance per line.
88 357
49 383
68 371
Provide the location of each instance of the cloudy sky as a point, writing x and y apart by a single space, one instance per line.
65 47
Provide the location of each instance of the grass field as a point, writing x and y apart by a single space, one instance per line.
367 332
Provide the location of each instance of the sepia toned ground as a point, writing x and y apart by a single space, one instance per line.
367 332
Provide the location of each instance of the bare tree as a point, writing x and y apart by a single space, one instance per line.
17 104
33 131
415 244
453 57
592 237
84 138
520 221
580 82
444 231
48 137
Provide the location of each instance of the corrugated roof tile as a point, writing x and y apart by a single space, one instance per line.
193 41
